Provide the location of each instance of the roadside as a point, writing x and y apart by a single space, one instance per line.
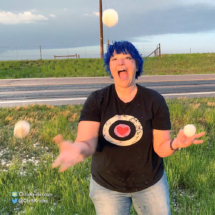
90 80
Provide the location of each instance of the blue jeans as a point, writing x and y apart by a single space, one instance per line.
151 201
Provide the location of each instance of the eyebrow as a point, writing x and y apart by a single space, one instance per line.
122 53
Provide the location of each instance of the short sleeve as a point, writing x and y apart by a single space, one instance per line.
90 111
161 116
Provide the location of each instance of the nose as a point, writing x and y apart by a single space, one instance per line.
121 61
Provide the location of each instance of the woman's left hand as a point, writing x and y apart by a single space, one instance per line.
182 141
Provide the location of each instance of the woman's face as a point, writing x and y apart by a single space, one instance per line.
123 69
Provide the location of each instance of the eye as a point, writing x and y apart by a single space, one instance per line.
113 59
128 57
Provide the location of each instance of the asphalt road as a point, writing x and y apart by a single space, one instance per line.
61 91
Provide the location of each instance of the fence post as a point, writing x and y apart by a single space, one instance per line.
40 53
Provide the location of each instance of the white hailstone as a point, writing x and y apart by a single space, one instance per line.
36 144
3 162
110 17
189 130
21 129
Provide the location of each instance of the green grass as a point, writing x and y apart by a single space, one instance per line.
173 64
178 64
26 164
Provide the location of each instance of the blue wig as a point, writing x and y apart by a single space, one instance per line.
124 47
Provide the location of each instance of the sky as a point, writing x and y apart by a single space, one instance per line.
69 27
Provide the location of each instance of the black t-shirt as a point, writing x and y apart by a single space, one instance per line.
125 160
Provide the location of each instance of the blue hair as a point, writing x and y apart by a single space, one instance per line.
124 47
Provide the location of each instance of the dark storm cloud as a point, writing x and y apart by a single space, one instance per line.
71 28
189 19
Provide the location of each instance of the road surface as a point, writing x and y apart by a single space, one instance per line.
62 91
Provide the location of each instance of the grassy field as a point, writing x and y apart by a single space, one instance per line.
173 64
26 164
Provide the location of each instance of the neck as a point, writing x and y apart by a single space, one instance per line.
126 94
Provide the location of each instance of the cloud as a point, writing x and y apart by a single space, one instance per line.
96 13
171 20
8 18
52 15
65 9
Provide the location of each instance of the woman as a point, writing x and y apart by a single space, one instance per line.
126 129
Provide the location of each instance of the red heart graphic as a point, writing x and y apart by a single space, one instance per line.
122 130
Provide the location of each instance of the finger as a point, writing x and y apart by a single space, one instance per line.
58 139
80 159
181 131
199 134
198 141
76 161
65 166
181 135
57 162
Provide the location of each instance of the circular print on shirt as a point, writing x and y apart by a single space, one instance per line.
123 130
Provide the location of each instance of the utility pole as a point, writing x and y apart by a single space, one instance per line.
101 29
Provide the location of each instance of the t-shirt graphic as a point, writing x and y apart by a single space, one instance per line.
122 130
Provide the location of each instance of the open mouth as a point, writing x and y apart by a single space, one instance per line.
123 74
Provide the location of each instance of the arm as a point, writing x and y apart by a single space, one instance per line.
161 143
87 137
162 138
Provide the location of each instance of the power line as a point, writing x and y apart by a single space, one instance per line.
107 27
193 19
204 23
210 39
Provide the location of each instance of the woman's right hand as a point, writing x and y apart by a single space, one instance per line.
69 155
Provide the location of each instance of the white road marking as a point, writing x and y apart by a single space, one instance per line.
186 94
41 100
84 98
46 91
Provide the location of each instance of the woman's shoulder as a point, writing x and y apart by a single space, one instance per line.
149 93
104 91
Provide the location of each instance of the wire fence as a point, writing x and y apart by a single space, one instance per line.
44 52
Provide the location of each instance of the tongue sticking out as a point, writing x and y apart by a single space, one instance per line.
123 75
